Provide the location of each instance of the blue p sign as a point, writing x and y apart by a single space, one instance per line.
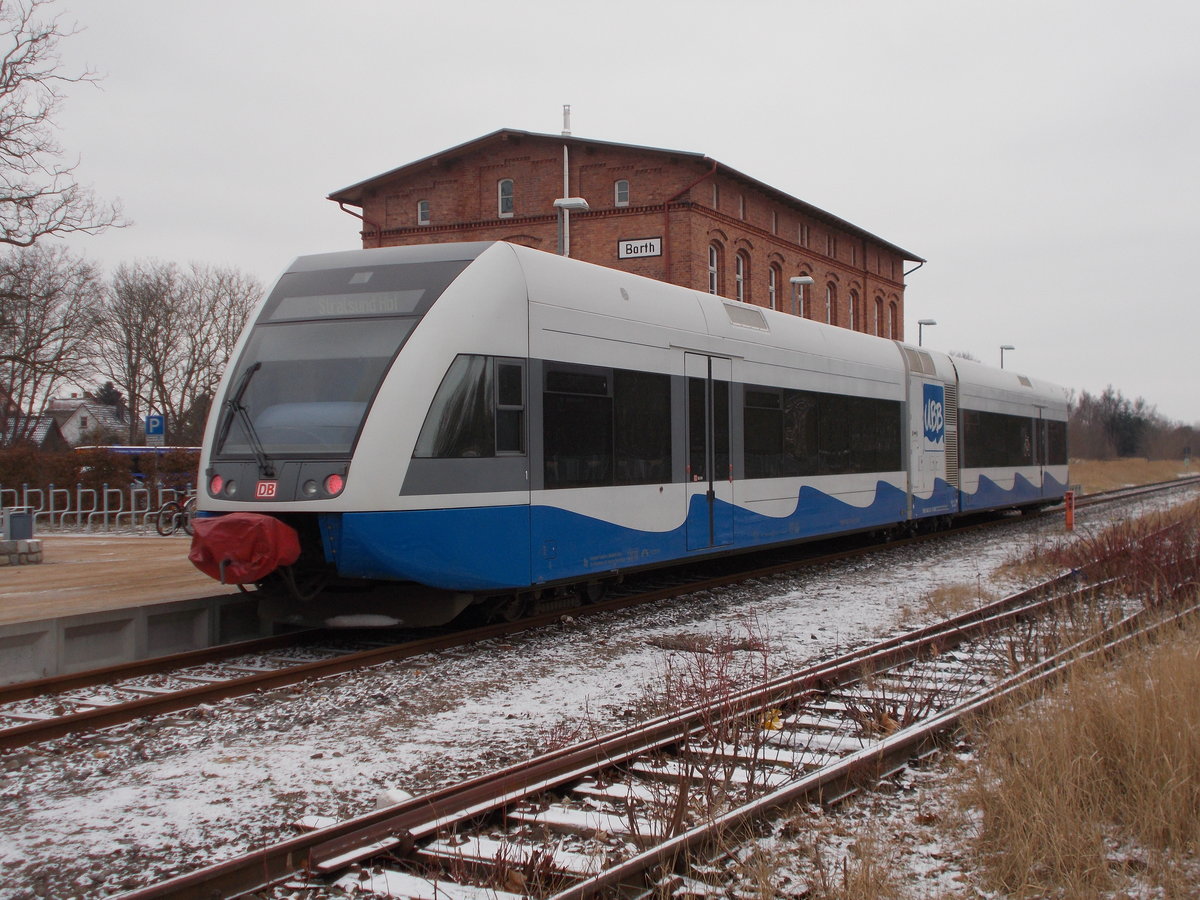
156 425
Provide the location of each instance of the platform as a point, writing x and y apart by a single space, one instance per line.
84 573
98 600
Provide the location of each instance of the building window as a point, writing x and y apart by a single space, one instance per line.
83 423
831 246
774 222
802 234
878 325
621 193
716 196
773 278
854 311
422 212
831 304
741 206
504 192
893 322
714 268
741 277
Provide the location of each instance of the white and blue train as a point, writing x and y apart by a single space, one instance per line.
459 424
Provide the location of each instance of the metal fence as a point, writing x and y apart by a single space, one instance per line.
104 509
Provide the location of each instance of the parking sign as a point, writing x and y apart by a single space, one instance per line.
156 428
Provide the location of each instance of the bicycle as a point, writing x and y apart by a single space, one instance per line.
174 515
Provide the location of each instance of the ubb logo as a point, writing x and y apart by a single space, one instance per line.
935 415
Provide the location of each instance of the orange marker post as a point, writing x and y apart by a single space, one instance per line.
1069 506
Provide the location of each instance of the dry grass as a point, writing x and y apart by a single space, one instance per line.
1107 474
1103 783
950 600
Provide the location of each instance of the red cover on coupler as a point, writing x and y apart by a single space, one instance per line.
242 548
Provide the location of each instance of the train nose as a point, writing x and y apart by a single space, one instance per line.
242 548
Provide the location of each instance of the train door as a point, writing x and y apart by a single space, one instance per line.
710 470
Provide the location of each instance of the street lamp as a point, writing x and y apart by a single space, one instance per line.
564 205
921 323
1004 347
798 283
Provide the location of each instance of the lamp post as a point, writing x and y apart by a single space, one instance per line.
564 205
798 283
921 323
1004 347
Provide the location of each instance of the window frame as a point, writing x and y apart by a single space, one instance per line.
502 196
621 187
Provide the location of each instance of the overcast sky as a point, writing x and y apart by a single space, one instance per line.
1041 155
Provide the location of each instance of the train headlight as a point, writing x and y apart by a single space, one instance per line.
309 488
231 488
215 484
334 485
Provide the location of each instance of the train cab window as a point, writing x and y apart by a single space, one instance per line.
461 421
478 411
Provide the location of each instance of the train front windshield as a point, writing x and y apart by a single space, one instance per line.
318 353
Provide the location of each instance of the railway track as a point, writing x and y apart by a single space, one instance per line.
33 712
620 814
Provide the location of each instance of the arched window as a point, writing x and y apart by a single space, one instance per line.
422 212
504 193
621 193
774 276
893 321
741 277
853 326
831 304
714 269
878 329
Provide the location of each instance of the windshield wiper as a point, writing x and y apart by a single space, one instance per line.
234 404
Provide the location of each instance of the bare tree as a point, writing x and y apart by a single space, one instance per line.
168 335
38 191
127 335
49 302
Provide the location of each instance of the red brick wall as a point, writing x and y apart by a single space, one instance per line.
462 190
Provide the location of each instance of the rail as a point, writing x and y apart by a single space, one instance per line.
614 784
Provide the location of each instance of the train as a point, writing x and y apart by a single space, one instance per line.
408 433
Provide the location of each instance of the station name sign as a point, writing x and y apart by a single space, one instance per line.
632 248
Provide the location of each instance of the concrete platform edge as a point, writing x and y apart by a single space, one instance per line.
59 646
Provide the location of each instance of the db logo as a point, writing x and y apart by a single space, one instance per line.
265 490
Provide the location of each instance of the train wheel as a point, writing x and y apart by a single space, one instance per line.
593 591
509 609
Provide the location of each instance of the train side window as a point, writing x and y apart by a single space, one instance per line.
763 418
801 421
641 427
510 407
577 426
461 420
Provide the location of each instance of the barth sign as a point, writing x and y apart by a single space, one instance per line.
636 247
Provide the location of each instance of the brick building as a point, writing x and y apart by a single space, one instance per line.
675 216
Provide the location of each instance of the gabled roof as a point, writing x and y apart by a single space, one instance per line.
354 194
43 431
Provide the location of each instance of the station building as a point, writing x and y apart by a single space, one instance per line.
675 216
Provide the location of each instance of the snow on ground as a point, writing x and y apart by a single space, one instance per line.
101 813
